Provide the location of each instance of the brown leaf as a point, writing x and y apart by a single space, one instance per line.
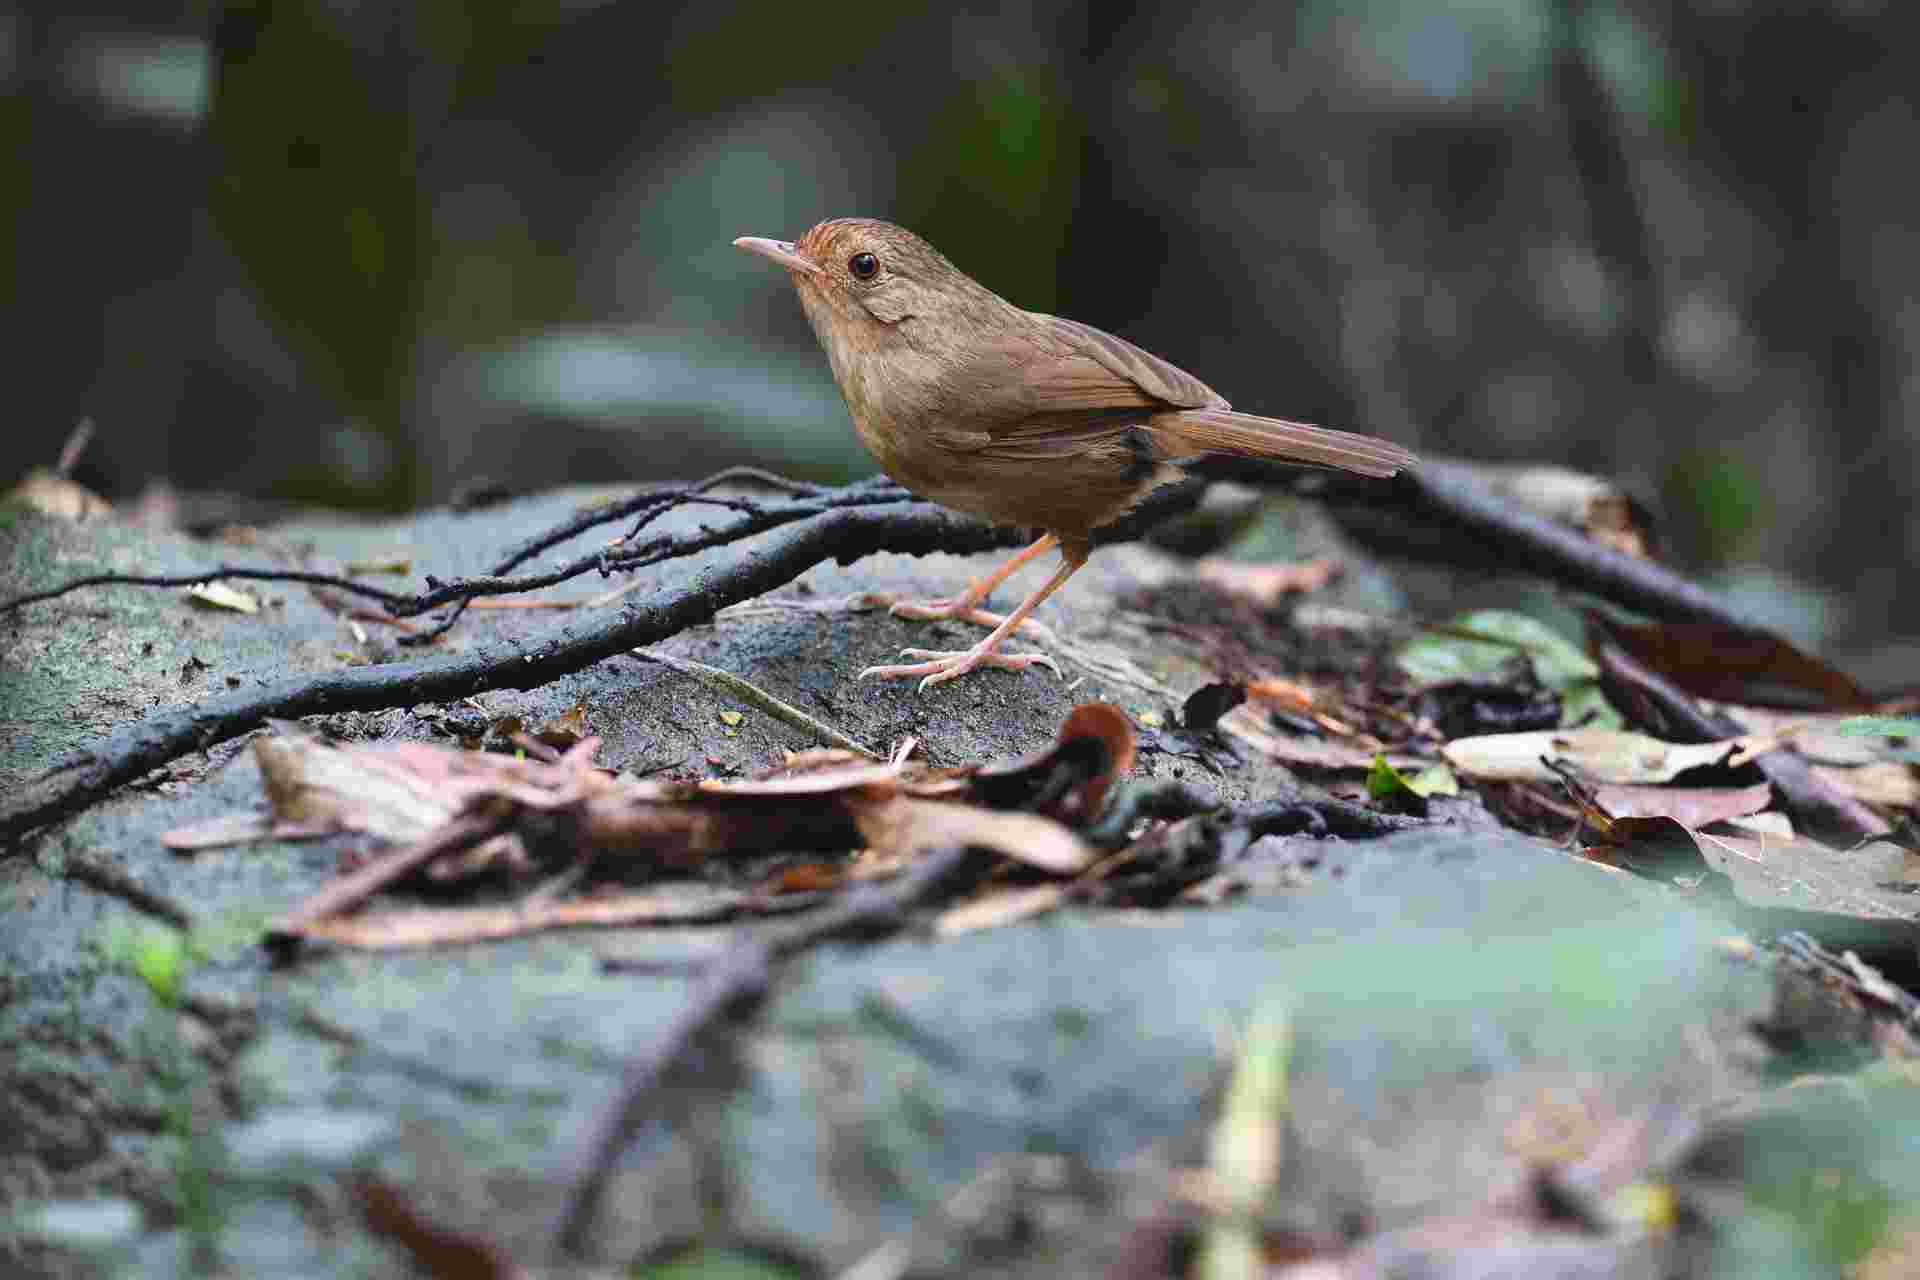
805 877
438 1251
401 792
314 784
905 824
1096 739
1247 725
1108 725
450 802
1009 906
1731 664
1266 584
1886 782
674 902
819 782
218 833
1689 806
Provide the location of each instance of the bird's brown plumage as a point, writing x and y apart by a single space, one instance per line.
1017 416
1023 418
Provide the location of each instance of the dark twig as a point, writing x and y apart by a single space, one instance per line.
109 879
758 518
729 992
651 501
1450 496
649 506
395 602
837 527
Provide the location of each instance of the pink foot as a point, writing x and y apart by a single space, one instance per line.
942 610
945 665
958 608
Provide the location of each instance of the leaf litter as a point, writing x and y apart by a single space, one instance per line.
639 851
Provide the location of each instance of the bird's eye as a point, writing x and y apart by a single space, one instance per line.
864 266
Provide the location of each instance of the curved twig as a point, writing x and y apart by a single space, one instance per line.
1447 496
830 531
757 518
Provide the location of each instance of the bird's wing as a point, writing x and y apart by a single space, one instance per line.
1192 417
1067 389
1077 366
1059 387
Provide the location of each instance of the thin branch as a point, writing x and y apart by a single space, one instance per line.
646 501
758 518
729 685
1403 518
96 873
844 533
394 601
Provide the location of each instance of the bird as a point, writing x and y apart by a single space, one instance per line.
1014 416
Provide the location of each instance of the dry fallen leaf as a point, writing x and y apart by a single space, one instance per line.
218 595
1600 755
1266 584
567 729
1247 724
444 807
1689 806
906 823
437 1250
673 902
996 909
1885 782
1731 664
238 828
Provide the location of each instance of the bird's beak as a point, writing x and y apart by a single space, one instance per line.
781 251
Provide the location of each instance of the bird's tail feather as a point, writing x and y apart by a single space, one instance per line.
1200 431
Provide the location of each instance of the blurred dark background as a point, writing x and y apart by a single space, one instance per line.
369 255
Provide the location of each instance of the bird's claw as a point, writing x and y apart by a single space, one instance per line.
957 608
942 665
966 610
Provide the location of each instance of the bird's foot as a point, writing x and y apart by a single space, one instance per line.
964 608
953 607
942 665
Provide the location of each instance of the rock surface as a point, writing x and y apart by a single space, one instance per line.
1465 1007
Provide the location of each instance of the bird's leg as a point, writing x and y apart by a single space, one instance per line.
966 605
943 665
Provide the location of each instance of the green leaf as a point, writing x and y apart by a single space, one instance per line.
716 1264
1384 781
159 959
1584 704
1434 780
1879 727
1496 635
